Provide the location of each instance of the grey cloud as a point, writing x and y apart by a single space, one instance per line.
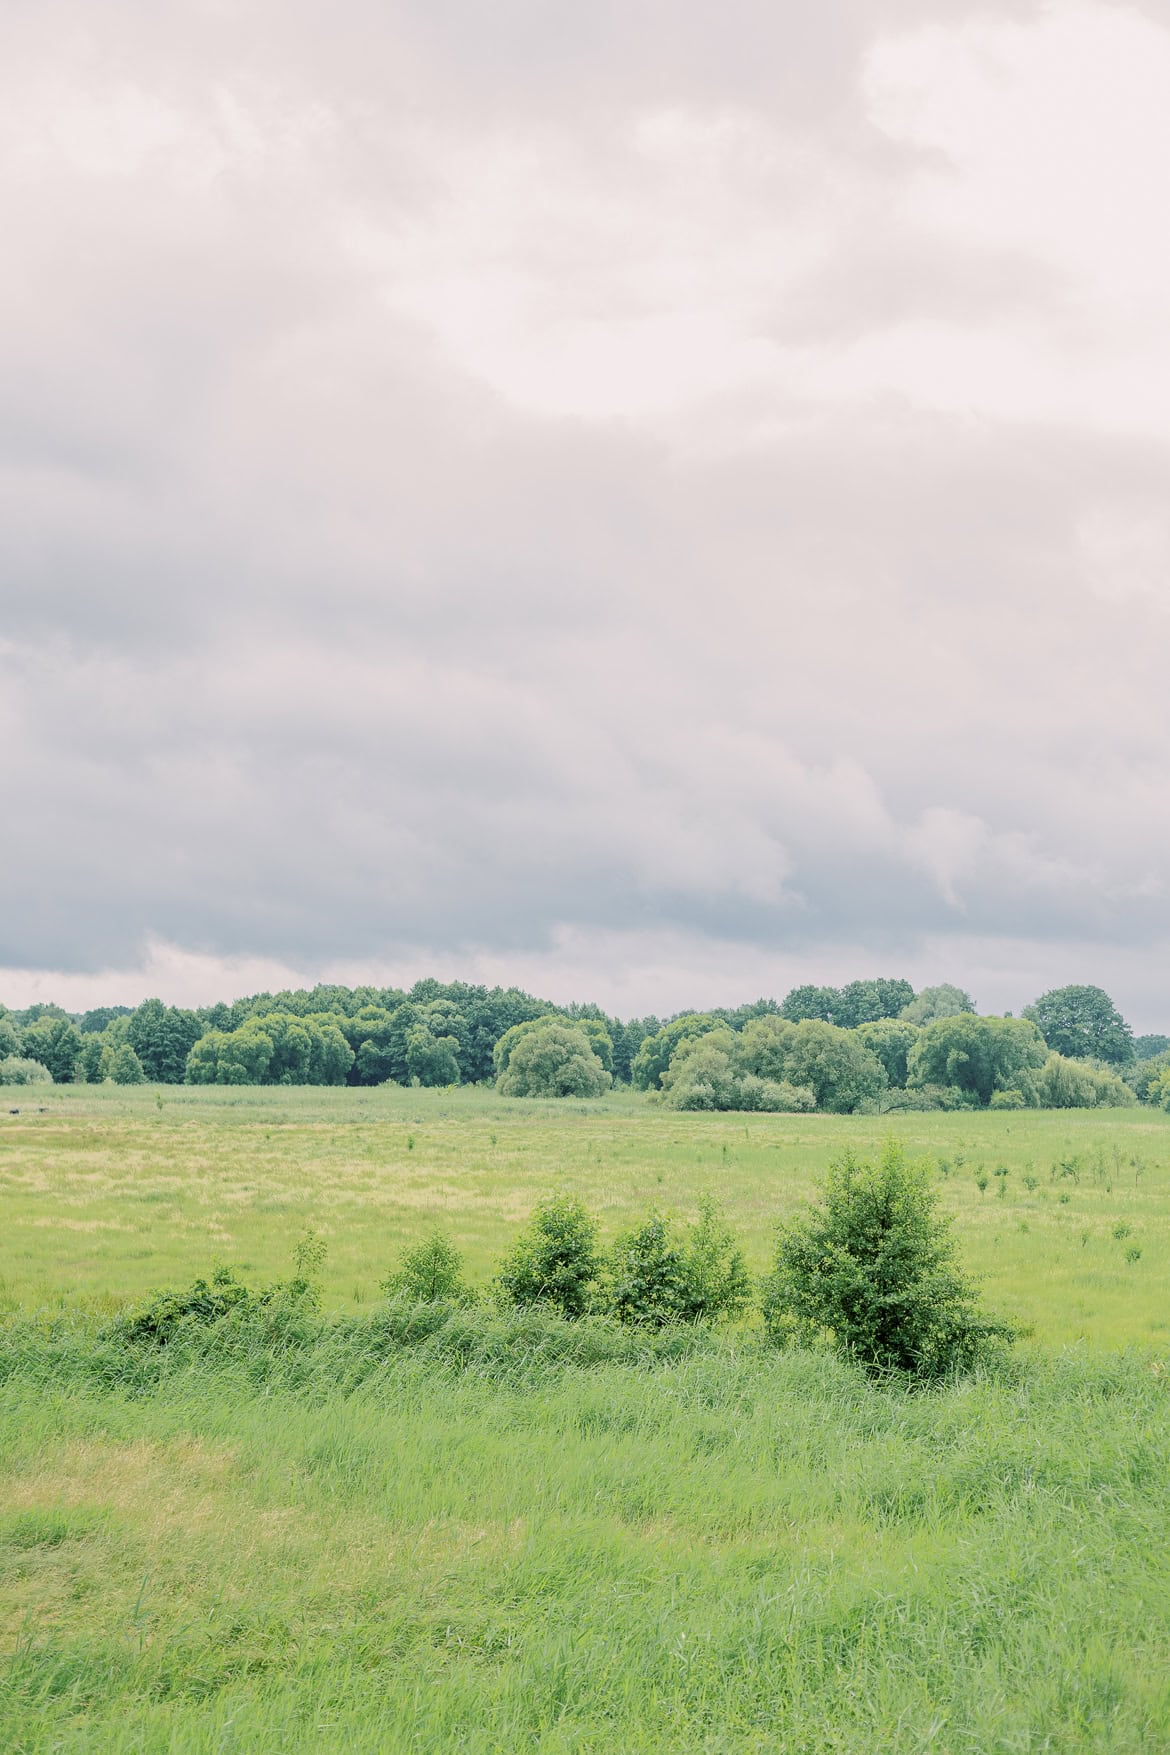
315 646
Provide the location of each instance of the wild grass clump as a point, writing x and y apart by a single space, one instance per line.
872 1268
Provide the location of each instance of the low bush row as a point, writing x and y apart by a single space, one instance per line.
869 1270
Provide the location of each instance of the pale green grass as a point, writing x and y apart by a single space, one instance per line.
743 1552
106 1194
361 1546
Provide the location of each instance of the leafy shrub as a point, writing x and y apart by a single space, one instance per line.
873 1269
651 1280
280 1312
204 1302
644 1276
430 1273
715 1276
16 1070
1007 1100
555 1260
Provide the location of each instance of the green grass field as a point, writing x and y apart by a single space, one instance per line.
511 1543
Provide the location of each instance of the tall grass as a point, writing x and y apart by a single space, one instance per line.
509 1533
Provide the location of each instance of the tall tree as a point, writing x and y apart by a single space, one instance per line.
1083 1023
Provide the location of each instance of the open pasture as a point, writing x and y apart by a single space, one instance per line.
109 1193
506 1549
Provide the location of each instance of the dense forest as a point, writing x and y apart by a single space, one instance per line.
871 1046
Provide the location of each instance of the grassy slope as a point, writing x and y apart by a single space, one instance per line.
741 1551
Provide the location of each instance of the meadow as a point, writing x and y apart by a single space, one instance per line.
511 1537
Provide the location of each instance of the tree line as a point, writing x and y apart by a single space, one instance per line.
871 1046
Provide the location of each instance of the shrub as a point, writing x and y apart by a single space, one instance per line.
716 1283
873 1269
16 1070
644 1276
430 1273
555 1260
651 1280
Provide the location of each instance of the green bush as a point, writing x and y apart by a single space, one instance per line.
555 1260
16 1070
652 1280
644 1276
716 1283
872 1268
430 1273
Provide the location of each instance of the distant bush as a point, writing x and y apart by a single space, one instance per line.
873 1269
922 1099
555 1260
773 1065
17 1071
1062 1083
430 1273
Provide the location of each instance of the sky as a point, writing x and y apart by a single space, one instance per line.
649 502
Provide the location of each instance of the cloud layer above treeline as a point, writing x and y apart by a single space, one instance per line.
616 499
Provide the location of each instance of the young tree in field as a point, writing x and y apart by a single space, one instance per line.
1084 1024
556 1060
555 1260
872 1268
430 1272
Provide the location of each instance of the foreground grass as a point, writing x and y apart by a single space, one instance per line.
517 1534
110 1193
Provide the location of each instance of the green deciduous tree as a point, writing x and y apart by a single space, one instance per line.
162 1036
56 1043
654 1055
835 1065
932 1003
125 1066
554 1060
432 1060
974 1054
890 1040
1084 1024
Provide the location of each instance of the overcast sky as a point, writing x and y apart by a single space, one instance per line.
650 501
